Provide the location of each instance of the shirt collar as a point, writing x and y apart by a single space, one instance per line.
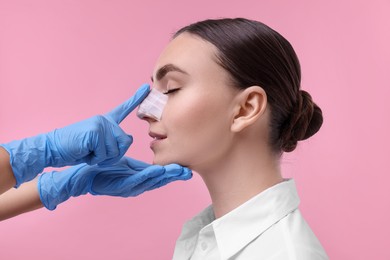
250 219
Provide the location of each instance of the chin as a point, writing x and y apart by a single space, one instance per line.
161 161
165 161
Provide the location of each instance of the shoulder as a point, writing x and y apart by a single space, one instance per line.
297 239
289 238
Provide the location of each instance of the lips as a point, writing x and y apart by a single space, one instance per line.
157 139
157 136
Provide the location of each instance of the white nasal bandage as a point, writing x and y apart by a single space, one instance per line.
153 105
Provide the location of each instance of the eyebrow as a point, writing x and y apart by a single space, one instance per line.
163 71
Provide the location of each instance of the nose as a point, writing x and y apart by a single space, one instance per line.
152 106
148 118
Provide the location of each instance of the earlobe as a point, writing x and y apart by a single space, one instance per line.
251 105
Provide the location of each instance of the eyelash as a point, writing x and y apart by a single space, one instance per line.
171 91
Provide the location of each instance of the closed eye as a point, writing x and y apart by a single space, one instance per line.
171 91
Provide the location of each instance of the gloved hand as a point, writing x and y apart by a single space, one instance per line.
127 178
98 139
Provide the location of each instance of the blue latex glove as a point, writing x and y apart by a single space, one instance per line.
127 178
98 139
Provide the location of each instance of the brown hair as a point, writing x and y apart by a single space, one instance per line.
256 55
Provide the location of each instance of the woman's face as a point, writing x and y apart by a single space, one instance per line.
194 130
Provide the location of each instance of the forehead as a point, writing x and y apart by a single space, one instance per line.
188 52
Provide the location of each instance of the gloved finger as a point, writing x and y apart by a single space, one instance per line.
132 185
134 164
117 148
99 152
162 181
111 182
177 172
112 151
173 170
146 174
123 110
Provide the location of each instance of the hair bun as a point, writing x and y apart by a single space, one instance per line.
305 120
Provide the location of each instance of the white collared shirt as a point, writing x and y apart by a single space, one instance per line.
268 226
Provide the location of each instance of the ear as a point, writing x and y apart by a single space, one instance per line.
251 105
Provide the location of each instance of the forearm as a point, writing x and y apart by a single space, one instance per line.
7 178
21 200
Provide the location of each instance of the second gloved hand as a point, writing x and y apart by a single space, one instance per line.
98 139
127 178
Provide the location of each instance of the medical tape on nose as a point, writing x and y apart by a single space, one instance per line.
153 105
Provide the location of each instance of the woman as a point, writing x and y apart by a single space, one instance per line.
234 107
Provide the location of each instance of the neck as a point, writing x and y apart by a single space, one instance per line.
241 175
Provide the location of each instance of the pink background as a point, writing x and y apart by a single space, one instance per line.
64 61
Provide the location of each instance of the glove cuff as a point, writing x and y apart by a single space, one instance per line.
27 157
16 171
56 187
49 194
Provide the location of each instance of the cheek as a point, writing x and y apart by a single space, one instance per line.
192 113
183 116
196 127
